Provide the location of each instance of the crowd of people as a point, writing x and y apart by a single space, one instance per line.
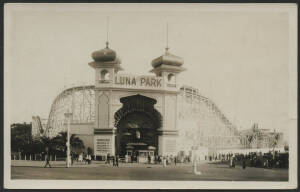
82 157
114 159
256 159
251 159
156 159
166 160
265 160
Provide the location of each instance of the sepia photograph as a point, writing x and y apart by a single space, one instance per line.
150 96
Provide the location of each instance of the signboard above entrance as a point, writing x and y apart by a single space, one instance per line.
132 81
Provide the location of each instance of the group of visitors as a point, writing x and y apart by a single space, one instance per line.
265 160
252 159
165 160
113 159
255 159
221 157
82 157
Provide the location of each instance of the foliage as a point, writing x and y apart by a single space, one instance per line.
21 138
22 141
59 142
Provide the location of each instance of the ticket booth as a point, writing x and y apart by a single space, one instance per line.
135 154
129 154
143 156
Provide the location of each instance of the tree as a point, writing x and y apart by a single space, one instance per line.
59 142
21 138
37 146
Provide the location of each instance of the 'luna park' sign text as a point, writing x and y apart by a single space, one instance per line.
138 81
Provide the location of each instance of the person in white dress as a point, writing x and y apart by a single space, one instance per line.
164 161
80 158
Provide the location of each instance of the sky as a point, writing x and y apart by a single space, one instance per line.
239 59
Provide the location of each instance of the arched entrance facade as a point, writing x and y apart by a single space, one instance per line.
137 124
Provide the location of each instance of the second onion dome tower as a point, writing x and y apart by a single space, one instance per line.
168 66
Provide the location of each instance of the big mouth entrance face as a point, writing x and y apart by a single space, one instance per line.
137 123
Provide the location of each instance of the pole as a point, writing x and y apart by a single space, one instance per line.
68 116
68 143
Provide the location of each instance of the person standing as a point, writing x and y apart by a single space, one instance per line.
114 161
149 159
165 161
47 158
89 159
72 158
233 161
107 159
80 157
117 160
244 162
230 161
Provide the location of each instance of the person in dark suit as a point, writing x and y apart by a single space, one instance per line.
107 159
114 161
117 160
244 162
149 159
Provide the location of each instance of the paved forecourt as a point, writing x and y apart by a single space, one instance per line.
100 171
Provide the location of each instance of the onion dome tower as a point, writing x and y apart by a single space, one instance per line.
106 64
167 62
168 66
106 58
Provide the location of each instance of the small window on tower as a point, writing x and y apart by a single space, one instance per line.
171 78
104 75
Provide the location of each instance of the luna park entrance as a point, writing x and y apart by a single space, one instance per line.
137 123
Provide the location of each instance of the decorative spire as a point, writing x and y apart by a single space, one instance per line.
107 26
167 47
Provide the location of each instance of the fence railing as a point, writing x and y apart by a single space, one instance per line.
37 157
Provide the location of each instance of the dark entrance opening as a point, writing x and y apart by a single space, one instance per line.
137 123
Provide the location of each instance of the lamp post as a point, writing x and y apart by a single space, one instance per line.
68 116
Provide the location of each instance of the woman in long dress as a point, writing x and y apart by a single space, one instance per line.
164 161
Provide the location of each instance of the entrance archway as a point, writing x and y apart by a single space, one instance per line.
137 123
